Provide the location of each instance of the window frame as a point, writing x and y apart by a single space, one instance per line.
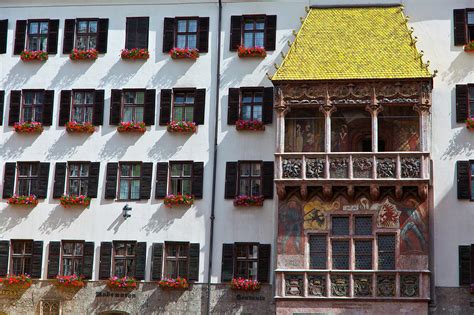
29 177
253 17
239 163
21 256
247 259
395 251
72 257
123 105
79 178
468 35
186 92
187 33
125 257
33 106
181 177
327 237
87 34
253 90
176 259
85 105
29 36
129 179
42 302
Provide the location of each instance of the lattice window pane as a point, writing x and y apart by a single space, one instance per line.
386 251
363 254
340 254
340 226
363 226
318 251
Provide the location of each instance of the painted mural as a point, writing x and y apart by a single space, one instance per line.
290 227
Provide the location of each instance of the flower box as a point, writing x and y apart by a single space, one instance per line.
251 125
34 55
251 52
181 126
68 201
469 47
72 281
184 53
28 127
135 53
23 200
13 281
470 123
85 54
174 284
122 283
178 200
248 201
244 284
131 126
76 127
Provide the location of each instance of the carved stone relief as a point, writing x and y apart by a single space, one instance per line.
315 168
363 167
411 168
340 285
386 285
294 285
386 168
362 285
317 285
339 168
409 286
292 168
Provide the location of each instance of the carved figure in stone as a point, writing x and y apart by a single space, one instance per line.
411 167
362 286
294 285
410 89
386 285
339 167
317 285
361 90
291 168
340 285
341 141
389 216
315 168
386 168
409 285
363 167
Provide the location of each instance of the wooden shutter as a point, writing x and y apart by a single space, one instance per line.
464 265
140 260
88 263
3 36
235 32
267 179
9 180
199 106
37 260
115 107
264 259
103 30
472 263
53 28
463 179
68 41
94 169
4 254
145 180
270 32
137 32
198 179
460 27
105 262
47 118
59 179
20 37
98 115
15 103
111 181
462 105
2 106
230 180
156 261
64 107
233 106
53 259
149 112
168 34
165 107
203 43
43 176
161 180
131 33
267 115
227 272
194 251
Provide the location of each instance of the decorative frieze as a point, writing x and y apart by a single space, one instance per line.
409 286
340 285
315 168
294 285
339 168
292 168
317 285
386 168
411 168
386 285
363 167
362 286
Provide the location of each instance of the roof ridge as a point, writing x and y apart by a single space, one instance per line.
357 6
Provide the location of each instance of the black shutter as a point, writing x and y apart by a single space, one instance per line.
103 30
9 180
53 27
233 106
267 179
462 106
472 263
235 32
165 107
20 36
264 258
463 178
198 179
105 262
64 107
137 32
37 260
227 272
115 107
270 32
59 179
15 103
464 265
267 115
2 106
48 108
131 33
43 175
111 181
200 106
53 259
161 180
140 260
94 169
145 180
460 27
149 113
68 41
230 180
203 44
4 252
98 115
88 263
168 34
3 36
194 250
156 261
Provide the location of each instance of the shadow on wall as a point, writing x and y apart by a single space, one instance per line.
66 145
163 218
15 145
10 217
457 71
170 71
69 73
120 74
20 74
117 145
167 146
60 219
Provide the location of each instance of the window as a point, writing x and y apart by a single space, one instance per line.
340 254
33 103
86 34
21 257
351 130
183 106
465 264
72 258
470 25
137 32
129 181
186 33
363 254
246 261
176 260
386 252
27 178
37 35
318 251
304 130
50 307
82 106
251 105
181 178
250 178
124 259
402 121
78 179
253 32
133 106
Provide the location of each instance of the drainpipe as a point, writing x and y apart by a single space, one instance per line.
214 167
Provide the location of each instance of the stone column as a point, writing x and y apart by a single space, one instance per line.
327 110
281 111
424 111
374 109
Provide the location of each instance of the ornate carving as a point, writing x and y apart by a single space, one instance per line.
422 108
294 285
339 168
398 100
374 192
350 101
304 191
317 285
315 168
386 168
409 286
281 191
409 89
411 167
340 285
291 168
362 167
304 94
386 285
327 192
423 191
327 109
362 285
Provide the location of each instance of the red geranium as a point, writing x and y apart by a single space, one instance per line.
23 200
178 200
28 127
251 51
178 283
253 125
135 53
131 126
23 281
122 283
245 284
184 53
181 126
72 281
74 126
31 55
81 200
248 201
84 54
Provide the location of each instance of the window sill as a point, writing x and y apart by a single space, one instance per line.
84 55
248 201
131 127
181 127
28 127
184 53
75 127
135 54
249 52
34 55
249 125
